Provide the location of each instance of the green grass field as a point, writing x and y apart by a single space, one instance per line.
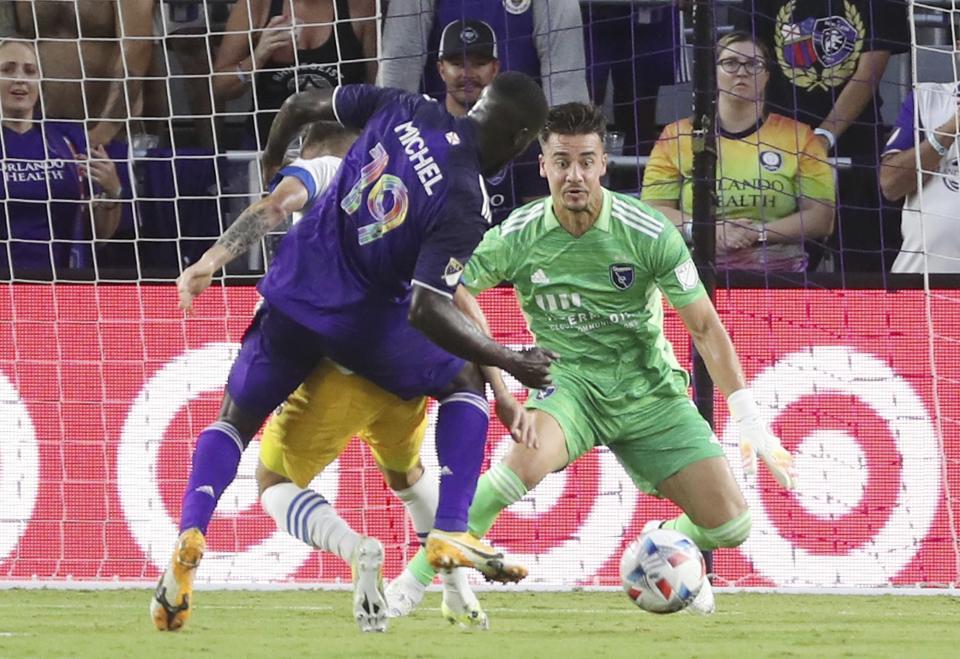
552 625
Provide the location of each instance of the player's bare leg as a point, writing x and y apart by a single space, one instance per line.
714 513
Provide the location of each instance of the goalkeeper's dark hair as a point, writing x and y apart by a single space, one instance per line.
574 119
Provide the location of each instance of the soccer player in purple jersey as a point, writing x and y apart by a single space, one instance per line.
366 279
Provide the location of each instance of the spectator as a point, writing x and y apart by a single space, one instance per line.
92 42
467 62
44 184
333 48
931 242
541 38
774 186
830 58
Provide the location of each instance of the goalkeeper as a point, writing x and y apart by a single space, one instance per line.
589 266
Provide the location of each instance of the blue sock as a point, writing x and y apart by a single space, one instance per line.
461 435
215 462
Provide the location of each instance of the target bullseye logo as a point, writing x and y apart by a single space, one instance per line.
181 380
19 467
835 472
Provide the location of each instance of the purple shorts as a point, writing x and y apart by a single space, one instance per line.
277 353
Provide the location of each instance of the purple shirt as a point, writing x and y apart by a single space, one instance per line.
407 205
41 195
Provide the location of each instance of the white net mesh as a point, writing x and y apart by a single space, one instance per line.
104 385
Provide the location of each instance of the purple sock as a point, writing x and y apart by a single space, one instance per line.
215 462
461 435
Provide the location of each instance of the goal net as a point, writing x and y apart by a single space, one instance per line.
104 385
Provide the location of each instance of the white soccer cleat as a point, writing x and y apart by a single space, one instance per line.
369 603
704 603
460 605
404 595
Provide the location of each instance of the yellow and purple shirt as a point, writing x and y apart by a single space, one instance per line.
761 174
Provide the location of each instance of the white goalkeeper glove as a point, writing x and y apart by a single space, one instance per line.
756 439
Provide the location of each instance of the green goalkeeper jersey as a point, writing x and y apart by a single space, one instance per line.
595 300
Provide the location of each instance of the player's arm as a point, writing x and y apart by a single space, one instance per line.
714 345
433 313
511 413
857 93
254 223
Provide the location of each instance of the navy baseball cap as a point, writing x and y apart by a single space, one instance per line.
468 37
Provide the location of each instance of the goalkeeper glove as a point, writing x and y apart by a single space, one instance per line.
756 439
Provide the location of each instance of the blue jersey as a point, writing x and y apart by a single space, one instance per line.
407 206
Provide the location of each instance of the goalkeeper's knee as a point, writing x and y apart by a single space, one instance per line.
730 534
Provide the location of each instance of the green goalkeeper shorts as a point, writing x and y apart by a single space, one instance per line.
653 437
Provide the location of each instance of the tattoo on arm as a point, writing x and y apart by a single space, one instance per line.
252 225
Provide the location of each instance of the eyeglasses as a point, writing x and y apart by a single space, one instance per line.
751 66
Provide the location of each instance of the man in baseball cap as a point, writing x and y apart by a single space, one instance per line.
467 62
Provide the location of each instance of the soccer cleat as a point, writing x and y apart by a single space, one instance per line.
171 604
704 603
447 550
369 604
404 594
459 604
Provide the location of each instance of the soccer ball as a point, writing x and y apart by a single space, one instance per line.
662 571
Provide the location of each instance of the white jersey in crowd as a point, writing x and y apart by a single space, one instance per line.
931 215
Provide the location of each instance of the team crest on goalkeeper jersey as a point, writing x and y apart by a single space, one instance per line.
546 392
622 275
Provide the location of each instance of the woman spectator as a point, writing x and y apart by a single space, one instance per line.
333 48
775 188
45 171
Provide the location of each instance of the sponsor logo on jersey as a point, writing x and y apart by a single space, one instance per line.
546 392
687 275
516 7
453 272
452 137
771 160
622 275
539 277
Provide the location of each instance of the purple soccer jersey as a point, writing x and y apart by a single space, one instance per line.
408 205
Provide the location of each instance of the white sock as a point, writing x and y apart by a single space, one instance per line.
420 500
307 516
